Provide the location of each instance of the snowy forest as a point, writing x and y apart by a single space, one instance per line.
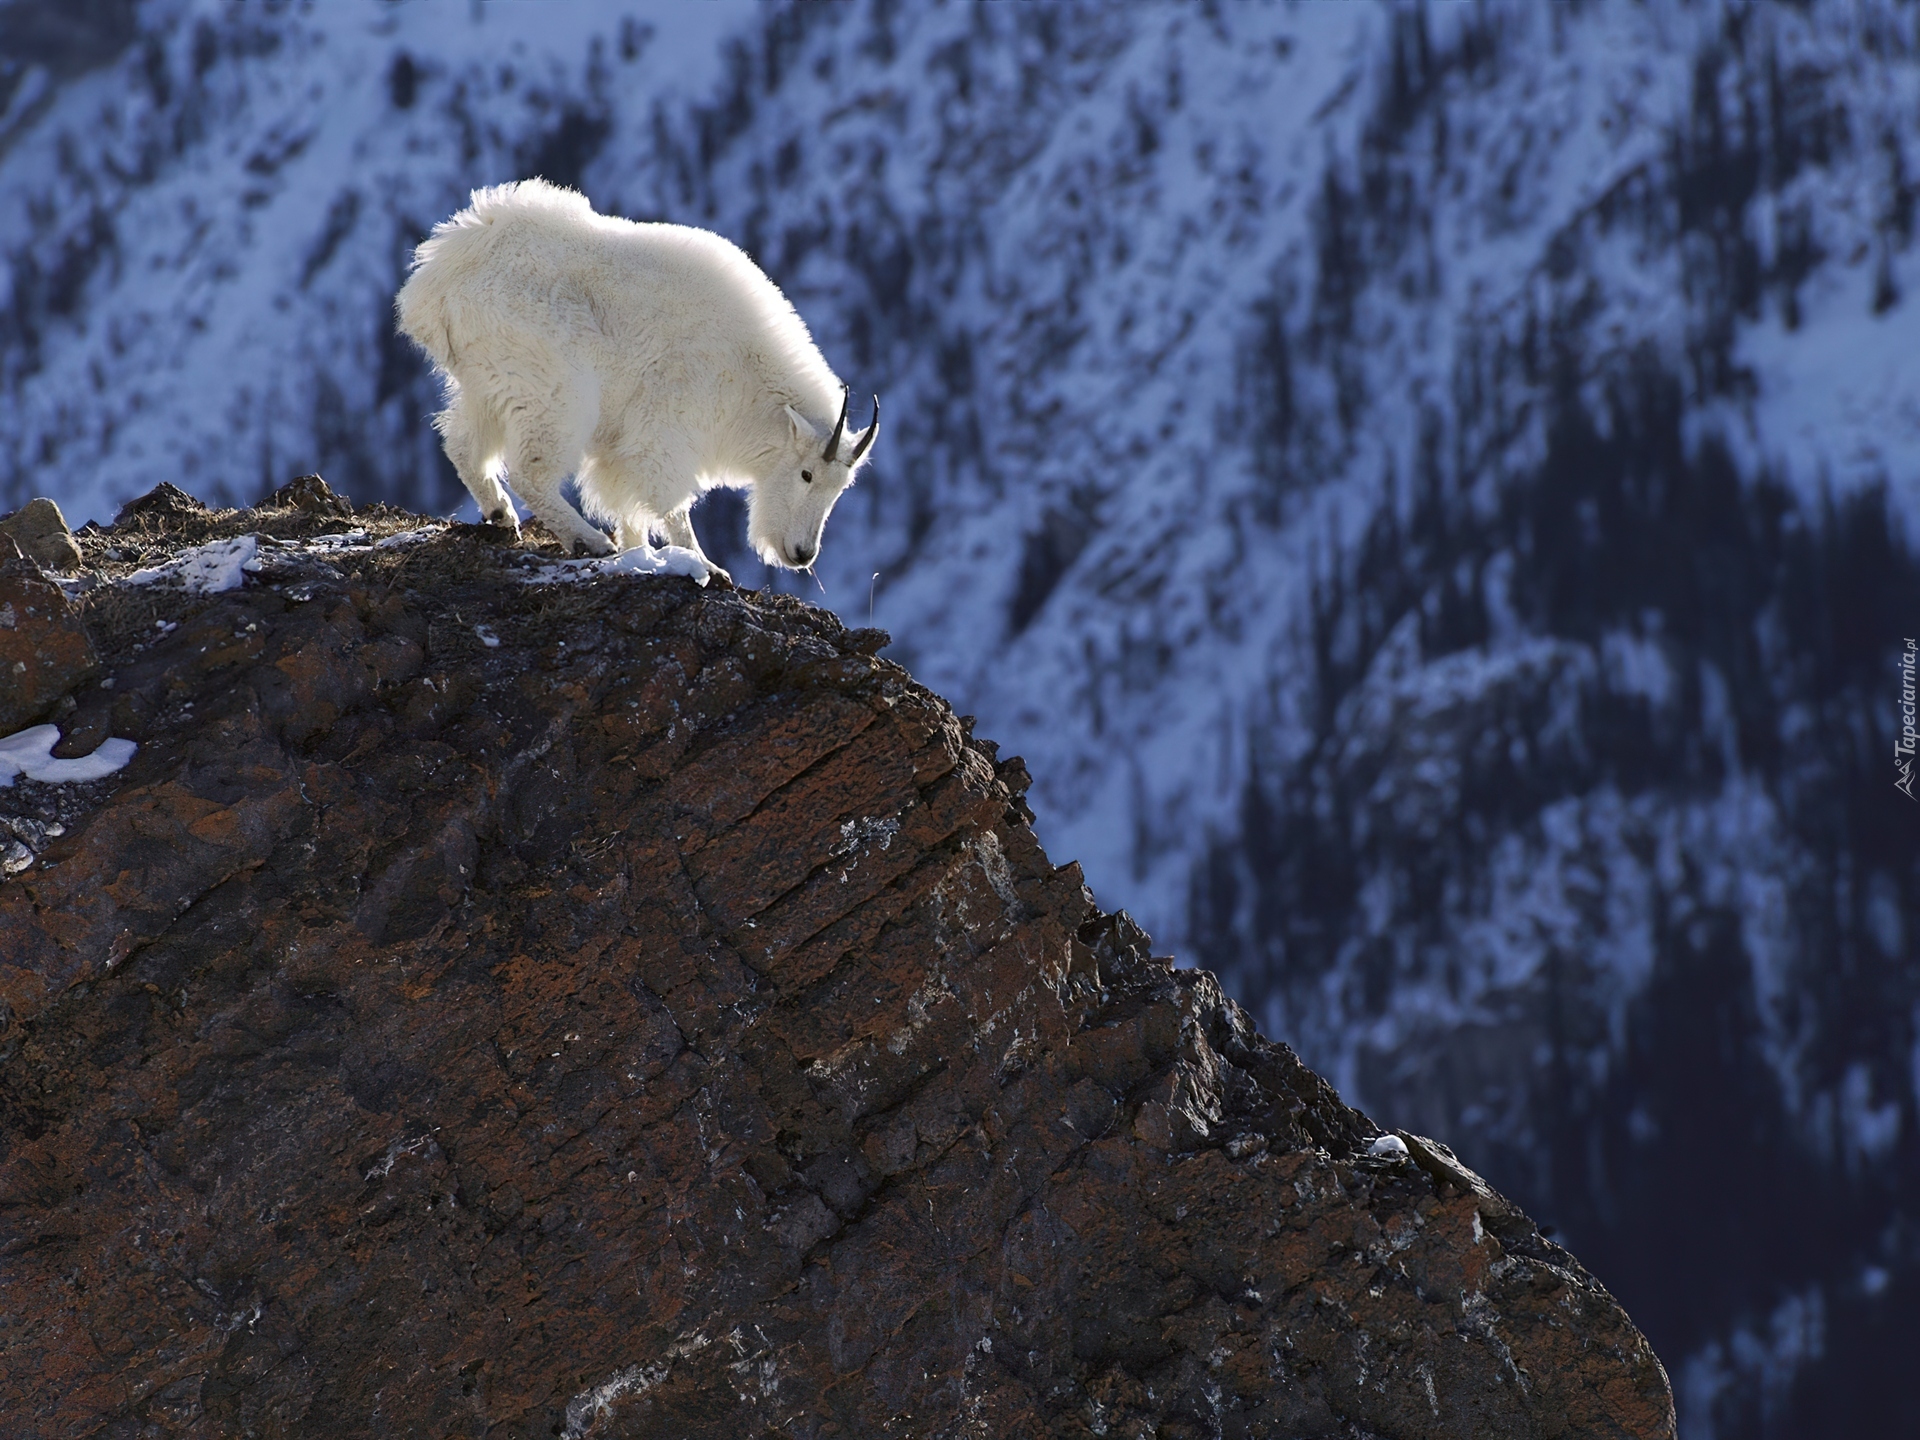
1432 491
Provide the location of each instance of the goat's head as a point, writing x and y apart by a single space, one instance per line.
788 508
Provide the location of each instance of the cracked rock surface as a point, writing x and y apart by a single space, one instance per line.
486 1008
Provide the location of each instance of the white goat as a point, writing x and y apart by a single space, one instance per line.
651 362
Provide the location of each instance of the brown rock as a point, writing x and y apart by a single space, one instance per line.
41 532
309 493
164 502
665 1023
45 652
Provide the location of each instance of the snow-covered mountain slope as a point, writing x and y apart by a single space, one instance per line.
1433 498
1432 492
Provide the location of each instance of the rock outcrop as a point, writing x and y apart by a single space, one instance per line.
44 648
39 530
497 1002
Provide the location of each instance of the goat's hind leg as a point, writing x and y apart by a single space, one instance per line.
474 448
542 450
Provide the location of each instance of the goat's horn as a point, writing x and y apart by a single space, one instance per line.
872 430
839 426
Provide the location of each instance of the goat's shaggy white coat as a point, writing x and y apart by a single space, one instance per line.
649 361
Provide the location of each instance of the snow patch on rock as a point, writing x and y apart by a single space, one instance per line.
205 569
29 752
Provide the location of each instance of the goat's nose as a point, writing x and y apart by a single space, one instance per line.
803 554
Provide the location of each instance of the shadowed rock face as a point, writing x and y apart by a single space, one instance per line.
663 1022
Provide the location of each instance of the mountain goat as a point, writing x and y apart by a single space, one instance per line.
651 362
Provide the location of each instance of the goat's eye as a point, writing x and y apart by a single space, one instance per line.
807 475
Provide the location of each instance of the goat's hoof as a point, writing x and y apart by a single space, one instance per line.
717 576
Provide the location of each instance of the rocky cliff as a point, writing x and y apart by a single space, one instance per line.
508 998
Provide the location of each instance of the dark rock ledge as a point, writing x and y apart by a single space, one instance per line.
659 1021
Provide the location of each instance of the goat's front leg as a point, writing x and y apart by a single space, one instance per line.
678 528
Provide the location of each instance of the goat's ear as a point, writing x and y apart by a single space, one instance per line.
802 427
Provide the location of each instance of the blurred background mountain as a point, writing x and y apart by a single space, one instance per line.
1431 490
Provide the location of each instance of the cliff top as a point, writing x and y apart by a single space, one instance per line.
504 998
